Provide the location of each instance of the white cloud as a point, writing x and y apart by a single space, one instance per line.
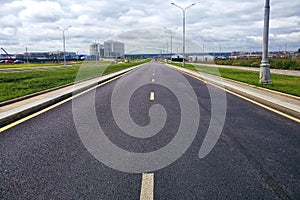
43 11
227 25
9 20
86 20
132 17
8 31
255 38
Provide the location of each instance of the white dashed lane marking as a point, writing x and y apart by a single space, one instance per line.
152 96
147 186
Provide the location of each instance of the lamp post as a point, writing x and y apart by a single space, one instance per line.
171 41
203 51
64 42
183 29
96 51
27 54
265 75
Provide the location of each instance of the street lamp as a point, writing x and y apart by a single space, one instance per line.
183 29
64 42
96 51
171 41
27 54
265 75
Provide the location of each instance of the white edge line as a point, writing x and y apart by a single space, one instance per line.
247 99
2 129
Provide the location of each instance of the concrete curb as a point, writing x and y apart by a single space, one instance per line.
19 112
284 103
4 103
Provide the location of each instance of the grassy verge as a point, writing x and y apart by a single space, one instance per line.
13 85
275 63
282 83
33 65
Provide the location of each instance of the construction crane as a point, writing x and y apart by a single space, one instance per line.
6 53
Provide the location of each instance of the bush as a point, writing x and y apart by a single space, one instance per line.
275 63
285 63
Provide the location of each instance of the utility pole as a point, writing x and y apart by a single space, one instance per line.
265 74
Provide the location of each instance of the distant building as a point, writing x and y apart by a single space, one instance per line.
4 56
49 55
113 49
97 49
202 58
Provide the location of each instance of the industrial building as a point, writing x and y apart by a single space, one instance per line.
110 49
97 49
113 49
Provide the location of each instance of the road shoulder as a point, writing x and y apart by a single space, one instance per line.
284 103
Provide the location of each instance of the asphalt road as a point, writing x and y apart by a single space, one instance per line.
57 156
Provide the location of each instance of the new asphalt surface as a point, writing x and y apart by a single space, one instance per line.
257 155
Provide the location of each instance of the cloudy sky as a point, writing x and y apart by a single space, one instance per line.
218 25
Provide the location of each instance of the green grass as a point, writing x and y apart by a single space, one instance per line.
18 84
275 63
33 65
282 83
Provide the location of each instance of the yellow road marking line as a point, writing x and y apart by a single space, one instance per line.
247 99
147 186
152 96
55 105
264 106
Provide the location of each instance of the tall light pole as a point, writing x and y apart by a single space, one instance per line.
203 50
265 75
183 29
96 51
27 54
64 42
171 41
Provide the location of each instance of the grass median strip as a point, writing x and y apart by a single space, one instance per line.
13 85
36 65
282 83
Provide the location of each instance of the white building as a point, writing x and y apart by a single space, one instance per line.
97 49
113 49
203 58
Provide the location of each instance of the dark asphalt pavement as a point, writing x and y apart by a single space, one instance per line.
256 157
